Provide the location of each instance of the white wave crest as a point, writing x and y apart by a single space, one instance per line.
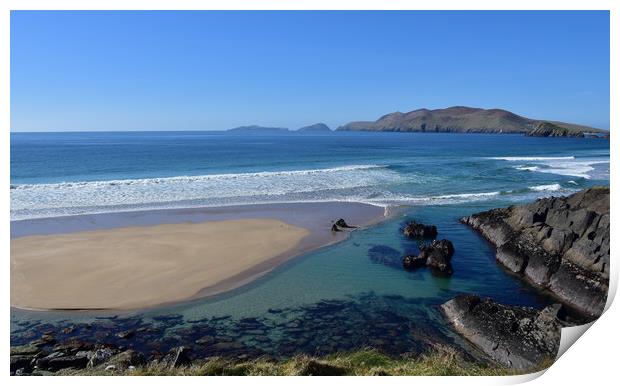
49 200
549 188
534 158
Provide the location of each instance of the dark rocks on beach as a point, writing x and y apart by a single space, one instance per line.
342 224
415 230
518 337
558 243
436 255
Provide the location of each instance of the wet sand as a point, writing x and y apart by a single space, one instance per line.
136 260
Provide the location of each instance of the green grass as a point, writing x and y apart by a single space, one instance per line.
363 362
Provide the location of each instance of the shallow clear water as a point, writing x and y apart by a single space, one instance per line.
353 294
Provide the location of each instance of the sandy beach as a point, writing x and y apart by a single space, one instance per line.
142 259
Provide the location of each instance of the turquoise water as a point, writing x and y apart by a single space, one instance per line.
353 294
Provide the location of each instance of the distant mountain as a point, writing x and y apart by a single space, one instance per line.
461 119
317 127
259 129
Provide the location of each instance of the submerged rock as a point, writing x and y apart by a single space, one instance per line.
558 243
415 230
382 254
518 337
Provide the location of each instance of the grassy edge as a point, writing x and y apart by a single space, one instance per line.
362 362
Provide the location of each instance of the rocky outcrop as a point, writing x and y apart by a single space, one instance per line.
518 337
558 243
436 256
415 230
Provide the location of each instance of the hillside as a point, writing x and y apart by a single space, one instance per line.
461 119
317 127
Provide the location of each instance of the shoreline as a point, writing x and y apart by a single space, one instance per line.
315 218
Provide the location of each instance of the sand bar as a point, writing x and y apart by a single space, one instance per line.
140 259
140 266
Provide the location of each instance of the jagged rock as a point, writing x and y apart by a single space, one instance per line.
178 356
21 362
72 361
518 337
414 262
99 356
436 256
415 230
125 359
558 243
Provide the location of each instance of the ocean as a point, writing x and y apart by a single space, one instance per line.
56 174
340 297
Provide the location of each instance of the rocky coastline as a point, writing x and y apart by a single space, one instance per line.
560 244
517 337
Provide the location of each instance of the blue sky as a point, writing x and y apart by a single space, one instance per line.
215 70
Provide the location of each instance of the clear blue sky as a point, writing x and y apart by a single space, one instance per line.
216 70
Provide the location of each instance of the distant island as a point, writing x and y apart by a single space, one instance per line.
261 129
461 119
317 127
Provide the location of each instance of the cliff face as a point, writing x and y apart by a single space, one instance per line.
558 243
461 119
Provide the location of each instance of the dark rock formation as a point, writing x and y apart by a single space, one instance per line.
340 224
343 224
414 230
414 262
558 243
518 337
461 119
436 256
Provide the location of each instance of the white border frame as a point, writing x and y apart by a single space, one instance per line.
592 361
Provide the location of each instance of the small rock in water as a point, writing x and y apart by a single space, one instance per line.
415 230
414 262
